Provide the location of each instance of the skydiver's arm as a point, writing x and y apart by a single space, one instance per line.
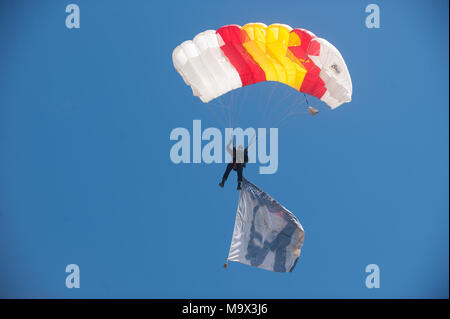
251 142
229 150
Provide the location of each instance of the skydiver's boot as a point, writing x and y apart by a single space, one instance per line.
239 186
222 183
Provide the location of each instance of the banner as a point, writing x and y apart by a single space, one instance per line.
266 235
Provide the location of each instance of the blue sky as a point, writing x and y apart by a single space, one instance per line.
86 178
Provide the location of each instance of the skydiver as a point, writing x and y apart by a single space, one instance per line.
240 158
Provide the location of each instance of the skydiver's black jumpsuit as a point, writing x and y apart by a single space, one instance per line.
235 165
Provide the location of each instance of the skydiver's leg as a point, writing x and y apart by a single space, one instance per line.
225 175
239 175
239 172
227 172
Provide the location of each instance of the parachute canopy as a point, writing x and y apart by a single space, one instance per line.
216 62
266 235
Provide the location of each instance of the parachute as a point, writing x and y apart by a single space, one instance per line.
216 62
266 235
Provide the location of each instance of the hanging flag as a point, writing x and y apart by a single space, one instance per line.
266 235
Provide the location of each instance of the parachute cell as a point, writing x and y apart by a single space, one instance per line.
216 62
